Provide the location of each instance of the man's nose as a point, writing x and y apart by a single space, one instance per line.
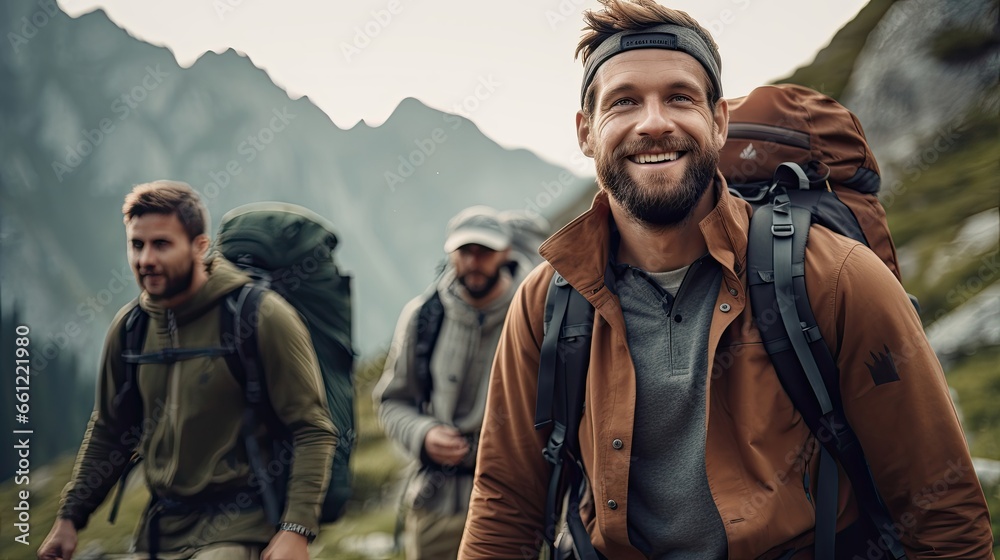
144 257
470 259
656 120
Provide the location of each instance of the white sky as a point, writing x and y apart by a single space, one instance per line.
444 52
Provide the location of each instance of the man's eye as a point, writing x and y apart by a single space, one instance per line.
137 244
681 98
623 101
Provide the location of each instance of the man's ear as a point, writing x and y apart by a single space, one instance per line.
721 118
201 244
583 134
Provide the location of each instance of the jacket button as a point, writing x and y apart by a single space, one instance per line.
617 444
725 307
612 504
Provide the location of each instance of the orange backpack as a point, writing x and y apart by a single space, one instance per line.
791 123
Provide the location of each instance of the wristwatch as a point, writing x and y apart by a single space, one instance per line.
298 529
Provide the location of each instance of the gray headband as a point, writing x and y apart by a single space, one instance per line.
665 36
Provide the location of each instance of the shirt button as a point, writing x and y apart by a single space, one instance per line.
612 504
617 444
725 307
733 291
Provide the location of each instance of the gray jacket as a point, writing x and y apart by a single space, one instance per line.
460 368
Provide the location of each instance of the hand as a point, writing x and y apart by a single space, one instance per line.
286 545
445 445
61 542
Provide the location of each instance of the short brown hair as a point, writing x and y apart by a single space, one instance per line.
635 15
168 197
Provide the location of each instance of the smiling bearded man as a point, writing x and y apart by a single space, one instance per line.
686 441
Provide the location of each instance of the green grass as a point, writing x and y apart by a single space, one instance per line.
334 539
45 488
976 379
993 501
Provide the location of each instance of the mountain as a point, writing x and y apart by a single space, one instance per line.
88 111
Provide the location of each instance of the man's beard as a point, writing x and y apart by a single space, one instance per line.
660 204
173 284
482 292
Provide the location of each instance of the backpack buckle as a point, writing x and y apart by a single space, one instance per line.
554 446
782 230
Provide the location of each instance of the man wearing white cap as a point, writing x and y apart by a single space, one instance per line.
432 394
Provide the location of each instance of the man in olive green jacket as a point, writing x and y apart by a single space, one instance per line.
187 428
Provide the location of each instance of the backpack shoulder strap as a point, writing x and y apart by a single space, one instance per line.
562 378
430 317
238 318
128 400
240 337
133 334
804 365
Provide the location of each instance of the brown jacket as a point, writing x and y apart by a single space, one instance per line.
757 446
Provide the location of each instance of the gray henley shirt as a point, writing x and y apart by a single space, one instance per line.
671 513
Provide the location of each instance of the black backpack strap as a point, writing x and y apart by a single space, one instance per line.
122 482
556 304
240 337
804 365
171 355
238 319
429 320
128 400
830 212
133 337
562 378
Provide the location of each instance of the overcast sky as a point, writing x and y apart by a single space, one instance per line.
506 65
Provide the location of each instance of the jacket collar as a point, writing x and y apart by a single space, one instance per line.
223 278
579 252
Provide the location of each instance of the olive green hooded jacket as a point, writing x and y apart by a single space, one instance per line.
189 431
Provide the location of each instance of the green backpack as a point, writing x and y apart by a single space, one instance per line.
289 249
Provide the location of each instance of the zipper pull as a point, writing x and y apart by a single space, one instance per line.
172 327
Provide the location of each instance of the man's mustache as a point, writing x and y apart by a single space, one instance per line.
645 145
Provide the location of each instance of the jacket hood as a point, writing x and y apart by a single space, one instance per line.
223 278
